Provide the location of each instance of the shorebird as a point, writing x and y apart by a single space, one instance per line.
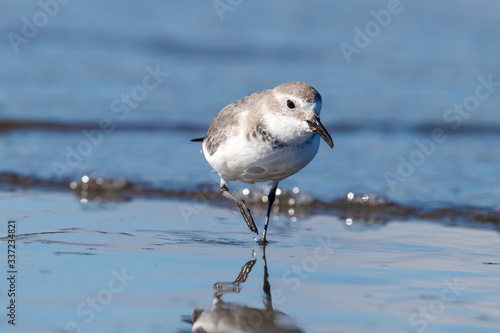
266 136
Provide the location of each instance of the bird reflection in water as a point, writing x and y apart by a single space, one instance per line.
234 318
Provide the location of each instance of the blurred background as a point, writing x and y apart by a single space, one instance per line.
108 94
389 74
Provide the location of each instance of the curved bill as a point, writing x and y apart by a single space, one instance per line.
316 126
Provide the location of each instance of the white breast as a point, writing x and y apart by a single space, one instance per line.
253 160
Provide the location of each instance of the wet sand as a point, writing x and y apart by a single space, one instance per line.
148 264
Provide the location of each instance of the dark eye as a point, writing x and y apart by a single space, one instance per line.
290 104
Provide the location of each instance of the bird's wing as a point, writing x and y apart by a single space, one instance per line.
221 126
230 117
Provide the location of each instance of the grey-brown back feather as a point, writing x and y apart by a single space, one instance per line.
228 118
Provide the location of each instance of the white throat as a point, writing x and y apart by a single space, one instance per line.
285 128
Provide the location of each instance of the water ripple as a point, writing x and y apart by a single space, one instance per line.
370 208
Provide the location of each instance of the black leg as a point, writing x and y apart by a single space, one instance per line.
270 200
242 206
267 286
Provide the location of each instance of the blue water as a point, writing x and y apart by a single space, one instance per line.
410 112
394 90
325 275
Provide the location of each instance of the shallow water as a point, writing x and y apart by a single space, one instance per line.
99 181
325 275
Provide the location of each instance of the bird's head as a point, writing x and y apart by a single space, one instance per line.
301 102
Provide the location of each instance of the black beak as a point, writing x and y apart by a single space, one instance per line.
316 126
